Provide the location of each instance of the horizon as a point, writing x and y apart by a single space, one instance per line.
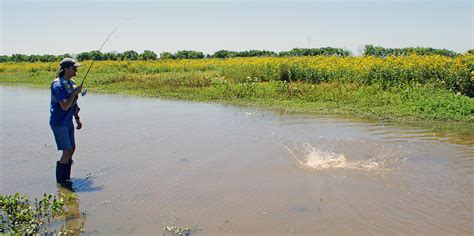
209 26
211 53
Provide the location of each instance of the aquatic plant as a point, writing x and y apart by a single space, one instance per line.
177 230
20 215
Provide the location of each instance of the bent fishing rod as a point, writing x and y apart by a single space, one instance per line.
106 40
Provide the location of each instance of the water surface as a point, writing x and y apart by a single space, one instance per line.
142 164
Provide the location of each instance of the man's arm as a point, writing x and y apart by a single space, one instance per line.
67 103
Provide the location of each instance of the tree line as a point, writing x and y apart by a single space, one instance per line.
368 50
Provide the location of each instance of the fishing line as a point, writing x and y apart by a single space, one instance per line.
106 40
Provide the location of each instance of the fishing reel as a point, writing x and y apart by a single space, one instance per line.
84 92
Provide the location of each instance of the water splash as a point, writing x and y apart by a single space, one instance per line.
325 160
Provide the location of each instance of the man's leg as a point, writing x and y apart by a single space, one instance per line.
69 166
67 155
64 143
73 149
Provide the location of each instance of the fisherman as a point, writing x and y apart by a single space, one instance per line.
64 95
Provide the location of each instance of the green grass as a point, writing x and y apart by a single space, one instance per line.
374 101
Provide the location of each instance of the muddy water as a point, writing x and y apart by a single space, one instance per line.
142 164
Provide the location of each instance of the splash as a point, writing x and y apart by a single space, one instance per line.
324 160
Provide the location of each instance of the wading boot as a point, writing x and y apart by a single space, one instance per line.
61 172
68 171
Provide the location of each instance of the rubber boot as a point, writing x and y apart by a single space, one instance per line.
68 171
61 170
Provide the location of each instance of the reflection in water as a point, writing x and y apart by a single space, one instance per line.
74 219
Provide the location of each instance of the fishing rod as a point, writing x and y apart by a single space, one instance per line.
106 40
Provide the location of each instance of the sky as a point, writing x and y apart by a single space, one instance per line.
57 27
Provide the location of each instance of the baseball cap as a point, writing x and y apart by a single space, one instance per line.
66 62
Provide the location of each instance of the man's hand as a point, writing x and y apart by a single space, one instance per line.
79 123
77 90
67 103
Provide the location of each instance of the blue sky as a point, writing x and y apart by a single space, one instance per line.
57 27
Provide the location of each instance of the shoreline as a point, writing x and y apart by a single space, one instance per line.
403 89
281 106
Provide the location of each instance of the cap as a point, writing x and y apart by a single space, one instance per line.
66 62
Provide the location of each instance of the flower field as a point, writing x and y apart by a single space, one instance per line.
408 87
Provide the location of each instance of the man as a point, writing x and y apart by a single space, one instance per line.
64 97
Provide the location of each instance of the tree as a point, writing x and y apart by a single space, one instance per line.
148 55
19 58
130 55
167 55
370 50
112 56
33 58
83 56
188 54
224 54
4 58
325 51
47 58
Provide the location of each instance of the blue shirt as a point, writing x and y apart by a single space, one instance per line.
61 89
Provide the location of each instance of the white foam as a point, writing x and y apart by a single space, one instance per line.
324 160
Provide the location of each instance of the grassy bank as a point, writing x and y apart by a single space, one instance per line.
395 88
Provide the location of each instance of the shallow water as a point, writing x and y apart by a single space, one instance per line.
142 164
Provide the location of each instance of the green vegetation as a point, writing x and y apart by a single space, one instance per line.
177 230
19 215
397 88
369 50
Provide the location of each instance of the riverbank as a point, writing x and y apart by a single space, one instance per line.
270 83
